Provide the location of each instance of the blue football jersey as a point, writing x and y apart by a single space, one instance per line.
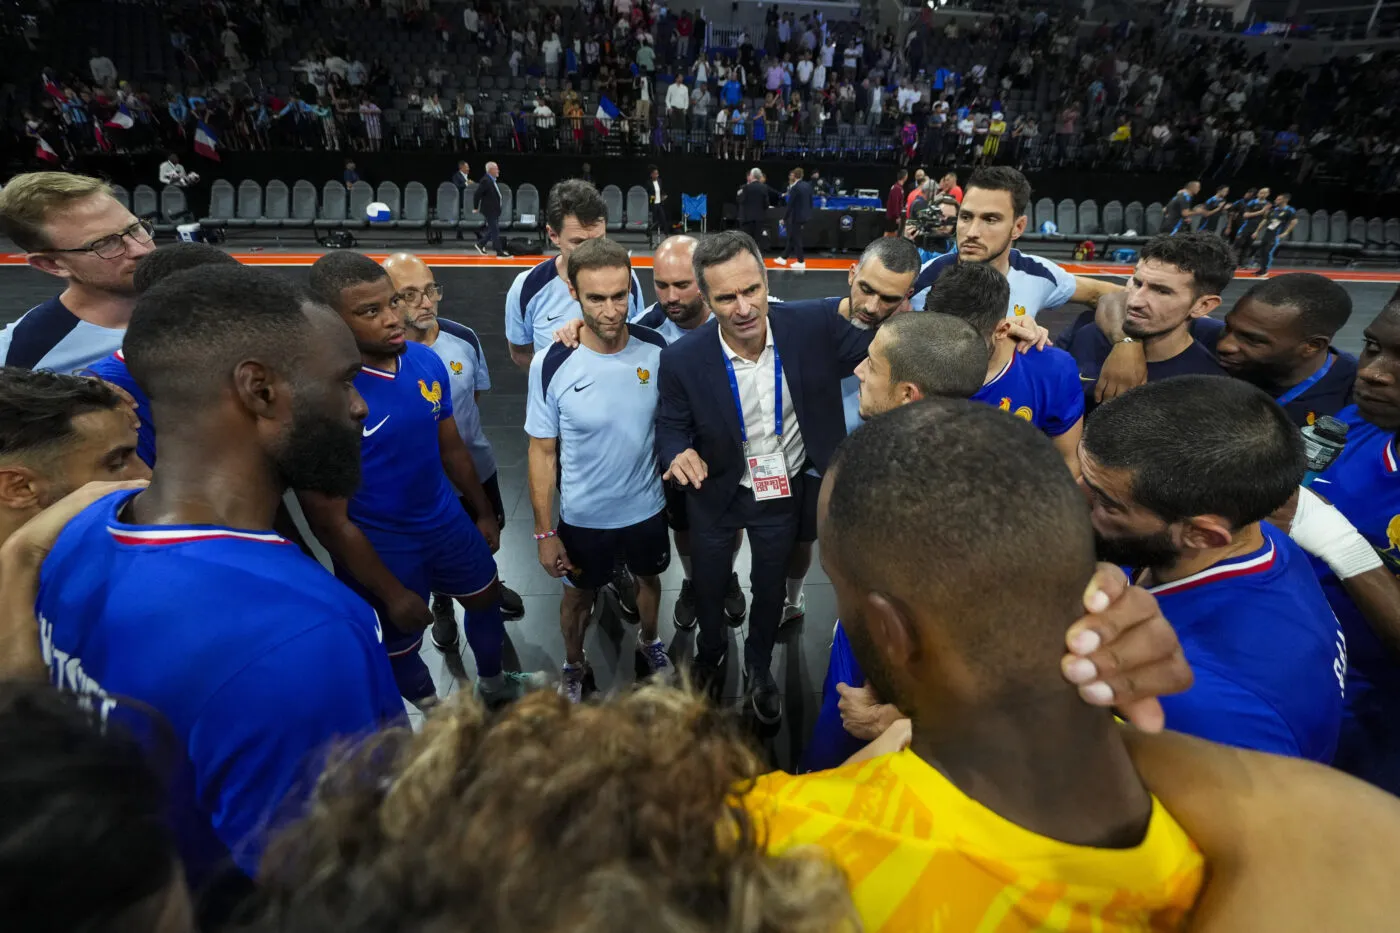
460 351
254 655
539 303
403 486
1364 484
602 409
113 369
1036 283
1268 653
1041 387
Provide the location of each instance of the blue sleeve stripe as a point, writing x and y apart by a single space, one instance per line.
553 359
41 329
1032 265
535 281
461 332
933 269
654 317
647 335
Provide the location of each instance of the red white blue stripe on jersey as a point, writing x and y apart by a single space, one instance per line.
118 355
1388 455
186 535
1223 571
370 370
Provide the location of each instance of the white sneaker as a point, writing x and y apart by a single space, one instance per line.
571 682
780 261
794 611
798 265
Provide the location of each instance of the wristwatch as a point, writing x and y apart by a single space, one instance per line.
1127 340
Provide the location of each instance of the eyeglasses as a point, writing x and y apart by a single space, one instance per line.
114 245
412 296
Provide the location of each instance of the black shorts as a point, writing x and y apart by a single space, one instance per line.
493 495
644 547
809 487
675 508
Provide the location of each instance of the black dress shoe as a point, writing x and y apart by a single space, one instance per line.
762 695
709 678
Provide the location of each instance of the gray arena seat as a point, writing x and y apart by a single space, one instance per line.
1321 226
388 193
528 215
1392 232
145 205
1301 232
638 210
1113 218
1152 219
303 205
1044 210
447 207
415 207
221 204
361 197
333 199
1356 232
122 195
1375 232
1066 218
277 204
612 197
1089 218
470 221
507 206
174 209
250 197
1337 229
1134 218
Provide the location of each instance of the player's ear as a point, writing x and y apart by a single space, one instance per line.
892 632
20 489
1205 305
49 264
1204 532
257 387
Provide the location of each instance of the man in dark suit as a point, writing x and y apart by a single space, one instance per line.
799 211
487 203
460 179
754 199
656 198
720 438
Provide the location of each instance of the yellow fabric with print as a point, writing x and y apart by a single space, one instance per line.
923 856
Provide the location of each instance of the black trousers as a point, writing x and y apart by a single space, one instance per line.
490 233
658 219
1268 245
772 527
794 242
753 228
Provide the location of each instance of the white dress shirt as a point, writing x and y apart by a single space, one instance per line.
755 379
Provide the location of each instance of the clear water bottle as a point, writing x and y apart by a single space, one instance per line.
1322 442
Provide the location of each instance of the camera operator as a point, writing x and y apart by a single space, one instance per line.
932 222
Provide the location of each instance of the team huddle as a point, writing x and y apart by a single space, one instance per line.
962 473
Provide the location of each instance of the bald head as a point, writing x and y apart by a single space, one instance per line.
677 291
418 292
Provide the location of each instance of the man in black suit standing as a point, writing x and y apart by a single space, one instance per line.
754 199
799 211
460 179
656 198
488 203
748 417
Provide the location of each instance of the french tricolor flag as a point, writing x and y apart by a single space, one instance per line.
205 142
43 150
122 119
607 112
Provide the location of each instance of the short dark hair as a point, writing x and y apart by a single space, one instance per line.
176 257
1323 305
943 356
37 409
597 253
1204 255
1003 178
574 198
78 799
797 173
895 253
1200 445
902 174
717 248
189 331
939 544
973 291
342 269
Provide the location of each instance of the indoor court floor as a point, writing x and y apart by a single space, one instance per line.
474 294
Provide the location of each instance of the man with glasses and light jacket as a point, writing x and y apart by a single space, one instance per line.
72 227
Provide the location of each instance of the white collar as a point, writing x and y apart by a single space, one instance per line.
734 355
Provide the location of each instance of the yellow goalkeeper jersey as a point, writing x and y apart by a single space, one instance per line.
922 855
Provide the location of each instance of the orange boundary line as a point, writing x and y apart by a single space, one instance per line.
644 262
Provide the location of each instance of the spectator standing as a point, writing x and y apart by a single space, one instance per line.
799 211
677 102
104 73
894 204
487 203
552 50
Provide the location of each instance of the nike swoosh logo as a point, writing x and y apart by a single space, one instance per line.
554 317
378 630
1319 479
369 431
582 387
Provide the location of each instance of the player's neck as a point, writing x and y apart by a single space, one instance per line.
1048 763
598 345
1247 540
1003 262
1003 350
1161 347
98 307
230 485
388 364
1305 369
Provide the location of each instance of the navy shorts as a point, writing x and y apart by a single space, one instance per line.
644 547
675 507
451 558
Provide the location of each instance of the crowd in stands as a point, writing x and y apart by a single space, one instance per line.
1020 88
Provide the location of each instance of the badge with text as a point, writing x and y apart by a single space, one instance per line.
770 476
